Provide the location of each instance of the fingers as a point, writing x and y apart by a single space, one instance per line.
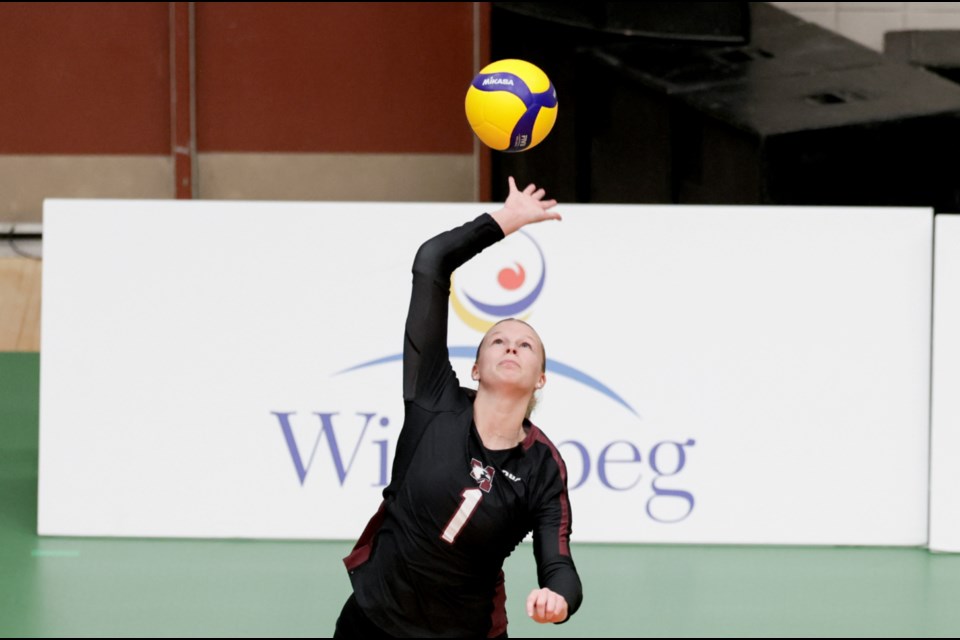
544 605
529 190
547 214
521 208
532 601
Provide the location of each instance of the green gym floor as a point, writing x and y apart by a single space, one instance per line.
131 588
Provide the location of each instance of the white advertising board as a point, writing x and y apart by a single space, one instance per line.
945 414
716 375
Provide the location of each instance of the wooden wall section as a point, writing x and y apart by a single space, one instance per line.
19 304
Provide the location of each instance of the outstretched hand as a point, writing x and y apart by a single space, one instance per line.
524 207
544 605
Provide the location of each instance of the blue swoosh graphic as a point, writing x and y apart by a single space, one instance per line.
507 310
552 367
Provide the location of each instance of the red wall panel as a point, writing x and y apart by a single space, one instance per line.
94 78
89 78
333 77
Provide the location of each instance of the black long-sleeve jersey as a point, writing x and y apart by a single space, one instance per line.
429 563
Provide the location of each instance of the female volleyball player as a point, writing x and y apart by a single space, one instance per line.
471 476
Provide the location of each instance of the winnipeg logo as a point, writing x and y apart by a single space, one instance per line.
483 475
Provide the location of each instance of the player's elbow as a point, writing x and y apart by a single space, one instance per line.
429 258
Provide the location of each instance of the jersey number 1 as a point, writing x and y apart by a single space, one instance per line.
471 498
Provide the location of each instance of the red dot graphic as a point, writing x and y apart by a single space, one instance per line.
511 279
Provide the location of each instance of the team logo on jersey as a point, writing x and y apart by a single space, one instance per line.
483 475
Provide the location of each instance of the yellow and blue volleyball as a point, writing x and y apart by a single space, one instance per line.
511 105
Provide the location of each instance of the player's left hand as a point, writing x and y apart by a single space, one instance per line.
544 605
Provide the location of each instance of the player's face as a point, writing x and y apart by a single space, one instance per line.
511 354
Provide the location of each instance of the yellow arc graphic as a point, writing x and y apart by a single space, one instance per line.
470 319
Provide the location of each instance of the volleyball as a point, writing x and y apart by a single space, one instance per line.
511 105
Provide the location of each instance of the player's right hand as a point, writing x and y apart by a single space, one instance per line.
544 605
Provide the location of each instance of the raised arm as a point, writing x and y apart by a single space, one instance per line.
428 378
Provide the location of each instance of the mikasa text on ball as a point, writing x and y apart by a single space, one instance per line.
511 105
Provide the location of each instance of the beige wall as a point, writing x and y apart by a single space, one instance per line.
25 180
338 176
866 22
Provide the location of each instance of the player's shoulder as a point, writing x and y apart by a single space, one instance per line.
538 444
546 468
